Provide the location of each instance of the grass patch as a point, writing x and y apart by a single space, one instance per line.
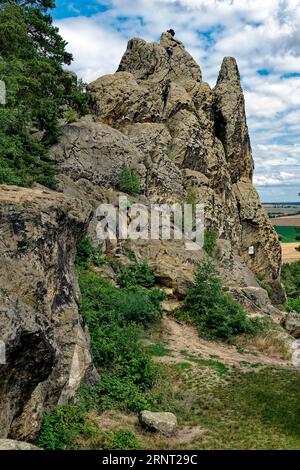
159 350
219 366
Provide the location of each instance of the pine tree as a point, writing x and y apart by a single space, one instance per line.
38 91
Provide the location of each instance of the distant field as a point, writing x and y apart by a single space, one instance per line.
287 234
287 221
282 210
289 254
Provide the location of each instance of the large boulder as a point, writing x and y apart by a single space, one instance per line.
46 343
163 422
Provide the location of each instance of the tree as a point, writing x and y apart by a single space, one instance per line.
38 90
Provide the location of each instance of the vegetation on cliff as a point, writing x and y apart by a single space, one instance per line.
291 281
38 91
215 313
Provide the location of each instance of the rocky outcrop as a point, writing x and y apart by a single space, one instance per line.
186 141
292 324
230 121
10 444
46 344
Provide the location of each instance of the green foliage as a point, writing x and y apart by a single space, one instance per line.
208 288
116 318
211 236
129 181
136 275
293 305
216 313
116 392
61 427
87 254
124 440
70 115
38 91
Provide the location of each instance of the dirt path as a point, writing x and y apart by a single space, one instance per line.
183 341
289 254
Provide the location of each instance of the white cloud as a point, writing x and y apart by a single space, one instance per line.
262 35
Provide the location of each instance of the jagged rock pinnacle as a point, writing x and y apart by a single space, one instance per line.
229 71
167 59
231 123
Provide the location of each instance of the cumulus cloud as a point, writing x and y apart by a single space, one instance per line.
263 36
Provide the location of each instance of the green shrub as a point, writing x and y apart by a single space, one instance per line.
129 181
136 275
207 290
116 319
61 427
71 115
226 320
293 305
216 313
87 254
290 276
211 236
117 392
124 440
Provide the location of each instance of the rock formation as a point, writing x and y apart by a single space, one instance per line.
184 139
47 346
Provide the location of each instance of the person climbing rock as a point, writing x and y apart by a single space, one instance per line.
172 32
169 51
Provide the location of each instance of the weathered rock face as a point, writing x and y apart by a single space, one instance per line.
185 140
47 347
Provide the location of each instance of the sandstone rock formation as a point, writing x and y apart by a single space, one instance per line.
188 142
47 346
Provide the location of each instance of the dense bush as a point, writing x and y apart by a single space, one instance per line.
116 318
87 254
129 181
123 439
136 275
210 240
38 91
290 276
293 305
61 427
216 313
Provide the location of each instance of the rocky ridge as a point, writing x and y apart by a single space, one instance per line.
185 140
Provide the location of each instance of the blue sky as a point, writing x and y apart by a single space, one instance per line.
263 35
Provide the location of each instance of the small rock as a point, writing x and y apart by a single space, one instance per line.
10 444
164 422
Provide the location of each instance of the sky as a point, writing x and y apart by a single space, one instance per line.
264 37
